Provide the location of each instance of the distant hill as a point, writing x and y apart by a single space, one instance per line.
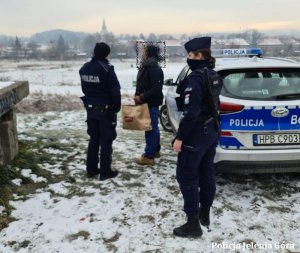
69 36
6 40
295 33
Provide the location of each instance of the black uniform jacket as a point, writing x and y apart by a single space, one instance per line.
150 80
192 128
100 84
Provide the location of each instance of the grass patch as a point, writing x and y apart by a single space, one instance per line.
218 212
278 209
113 238
27 159
134 185
39 102
164 214
256 227
76 236
126 176
24 244
111 248
147 219
173 189
72 191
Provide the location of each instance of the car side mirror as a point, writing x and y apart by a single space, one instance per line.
168 82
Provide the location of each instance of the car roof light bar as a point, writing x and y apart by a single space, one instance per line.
234 52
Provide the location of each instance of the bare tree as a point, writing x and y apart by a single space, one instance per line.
255 37
152 37
17 48
89 44
32 46
61 48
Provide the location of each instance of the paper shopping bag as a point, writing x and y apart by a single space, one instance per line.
136 117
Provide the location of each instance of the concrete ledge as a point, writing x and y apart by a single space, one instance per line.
8 137
12 94
9 97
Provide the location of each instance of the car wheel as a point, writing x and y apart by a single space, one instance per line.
164 119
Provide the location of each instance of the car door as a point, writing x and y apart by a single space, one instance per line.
174 114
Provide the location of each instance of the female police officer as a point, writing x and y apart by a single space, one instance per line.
196 139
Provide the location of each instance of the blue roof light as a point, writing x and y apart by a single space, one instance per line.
255 51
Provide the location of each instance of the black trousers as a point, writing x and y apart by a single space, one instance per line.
195 173
102 132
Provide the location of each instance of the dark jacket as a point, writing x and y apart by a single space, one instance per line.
195 98
100 84
149 83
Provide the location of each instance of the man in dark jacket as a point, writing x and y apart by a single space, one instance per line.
102 101
149 90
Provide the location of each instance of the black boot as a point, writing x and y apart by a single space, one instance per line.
190 229
93 175
204 216
107 175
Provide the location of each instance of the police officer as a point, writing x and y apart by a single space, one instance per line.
196 140
102 101
150 80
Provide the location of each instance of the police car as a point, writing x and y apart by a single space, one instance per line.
259 109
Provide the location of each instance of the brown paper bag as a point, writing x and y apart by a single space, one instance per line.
136 117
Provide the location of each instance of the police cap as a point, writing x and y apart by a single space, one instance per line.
198 43
101 50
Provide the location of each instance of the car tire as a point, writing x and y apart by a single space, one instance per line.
164 119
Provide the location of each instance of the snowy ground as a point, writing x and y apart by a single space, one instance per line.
137 211
63 77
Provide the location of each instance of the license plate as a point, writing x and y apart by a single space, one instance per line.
276 139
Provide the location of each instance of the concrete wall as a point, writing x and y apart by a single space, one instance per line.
9 97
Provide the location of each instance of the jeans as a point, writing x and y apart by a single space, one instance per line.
153 137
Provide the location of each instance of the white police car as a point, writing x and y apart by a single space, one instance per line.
260 112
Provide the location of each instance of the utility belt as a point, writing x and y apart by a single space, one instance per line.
99 108
205 119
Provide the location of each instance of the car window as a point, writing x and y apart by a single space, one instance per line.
184 72
261 84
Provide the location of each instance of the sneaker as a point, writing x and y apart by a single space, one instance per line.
143 160
93 175
111 174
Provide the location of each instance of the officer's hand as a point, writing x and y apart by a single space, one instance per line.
177 146
137 100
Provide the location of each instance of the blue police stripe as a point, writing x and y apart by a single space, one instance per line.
230 142
259 118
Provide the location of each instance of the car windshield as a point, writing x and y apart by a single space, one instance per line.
262 84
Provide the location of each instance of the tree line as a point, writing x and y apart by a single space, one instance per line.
122 46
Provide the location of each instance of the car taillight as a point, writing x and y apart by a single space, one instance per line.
226 134
225 107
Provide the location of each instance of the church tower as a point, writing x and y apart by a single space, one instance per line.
104 28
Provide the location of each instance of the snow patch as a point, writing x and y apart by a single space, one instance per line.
28 173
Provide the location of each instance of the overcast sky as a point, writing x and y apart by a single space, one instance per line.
26 17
